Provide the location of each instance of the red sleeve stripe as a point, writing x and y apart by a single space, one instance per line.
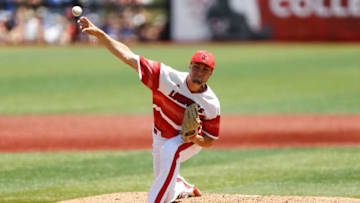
209 135
211 127
150 73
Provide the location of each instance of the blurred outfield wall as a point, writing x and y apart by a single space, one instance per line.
51 22
308 20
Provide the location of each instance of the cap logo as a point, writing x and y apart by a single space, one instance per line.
204 57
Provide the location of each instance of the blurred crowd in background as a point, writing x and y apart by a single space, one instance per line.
51 21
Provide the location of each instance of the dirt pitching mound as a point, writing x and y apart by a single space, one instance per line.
137 197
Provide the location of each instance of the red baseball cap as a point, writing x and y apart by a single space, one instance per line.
205 57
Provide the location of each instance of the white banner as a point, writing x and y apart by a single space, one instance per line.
201 20
188 20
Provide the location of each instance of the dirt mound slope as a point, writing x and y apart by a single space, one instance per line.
137 197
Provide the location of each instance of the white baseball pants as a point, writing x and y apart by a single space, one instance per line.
167 156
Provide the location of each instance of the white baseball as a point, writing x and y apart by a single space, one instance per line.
76 11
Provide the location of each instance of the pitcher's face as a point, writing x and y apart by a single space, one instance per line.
199 73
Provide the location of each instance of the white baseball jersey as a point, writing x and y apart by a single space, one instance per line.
171 95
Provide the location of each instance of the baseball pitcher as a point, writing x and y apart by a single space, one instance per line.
186 113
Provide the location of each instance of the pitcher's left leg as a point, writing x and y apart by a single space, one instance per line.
169 167
178 185
182 188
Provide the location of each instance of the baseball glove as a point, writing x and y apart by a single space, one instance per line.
191 122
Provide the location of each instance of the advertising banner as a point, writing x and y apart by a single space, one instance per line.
311 19
308 20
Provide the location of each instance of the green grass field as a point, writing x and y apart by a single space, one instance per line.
251 78
49 177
